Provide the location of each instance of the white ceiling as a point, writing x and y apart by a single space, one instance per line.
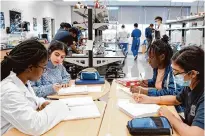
126 3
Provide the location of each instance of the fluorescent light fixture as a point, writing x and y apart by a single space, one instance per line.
112 8
128 0
27 0
74 0
187 1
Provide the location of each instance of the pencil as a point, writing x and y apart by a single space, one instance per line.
139 88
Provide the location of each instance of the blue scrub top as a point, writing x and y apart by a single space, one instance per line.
136 33
148 33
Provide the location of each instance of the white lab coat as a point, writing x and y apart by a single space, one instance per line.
161 30
123 36
19 108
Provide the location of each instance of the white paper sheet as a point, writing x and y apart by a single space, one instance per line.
94 89
136 110
78 101
125 89
81 108
82 112
73 90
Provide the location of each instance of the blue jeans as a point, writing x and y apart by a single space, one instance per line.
125 46
135 46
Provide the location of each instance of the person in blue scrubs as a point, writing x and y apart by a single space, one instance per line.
136 34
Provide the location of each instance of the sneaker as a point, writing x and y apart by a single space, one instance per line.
126 54
135 57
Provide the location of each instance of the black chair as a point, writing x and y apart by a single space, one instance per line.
115 70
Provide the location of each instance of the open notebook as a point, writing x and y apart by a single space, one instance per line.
73 90
78 90
81 108
125 89
136 110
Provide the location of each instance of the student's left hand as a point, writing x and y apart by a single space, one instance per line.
44 105
163 111
65 85
139 89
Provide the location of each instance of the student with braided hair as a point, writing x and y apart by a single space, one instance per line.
20 108
162 83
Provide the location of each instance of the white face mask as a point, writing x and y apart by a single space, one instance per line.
157 23
179 79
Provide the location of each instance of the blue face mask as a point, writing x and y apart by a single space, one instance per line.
179 79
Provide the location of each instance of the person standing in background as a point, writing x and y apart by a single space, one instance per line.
123 36
136 34
148 34
160 30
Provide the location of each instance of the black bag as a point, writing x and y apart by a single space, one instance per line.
150 126
157 34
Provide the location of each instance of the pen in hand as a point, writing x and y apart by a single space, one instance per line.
139 88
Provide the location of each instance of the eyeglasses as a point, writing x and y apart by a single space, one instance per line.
44 68
179 73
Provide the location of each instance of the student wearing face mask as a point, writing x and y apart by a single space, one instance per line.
162 83
56 76
20 108
188 68
160 30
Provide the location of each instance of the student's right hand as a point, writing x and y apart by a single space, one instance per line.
57 87
141 98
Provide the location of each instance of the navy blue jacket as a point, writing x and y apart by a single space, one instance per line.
64 36
148 33
169 87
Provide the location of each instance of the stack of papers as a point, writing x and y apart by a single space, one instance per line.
77 90
81 108
136 110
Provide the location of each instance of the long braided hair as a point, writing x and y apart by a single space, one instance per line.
29 52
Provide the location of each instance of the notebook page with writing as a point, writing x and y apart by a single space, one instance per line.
81 108
136 110
73 90
83 112
78 101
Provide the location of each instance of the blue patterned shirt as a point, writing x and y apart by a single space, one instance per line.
54 74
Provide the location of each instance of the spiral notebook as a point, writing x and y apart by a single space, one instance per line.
81 108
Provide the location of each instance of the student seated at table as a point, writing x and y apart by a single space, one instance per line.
55 76
20 108
188 68
162 83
